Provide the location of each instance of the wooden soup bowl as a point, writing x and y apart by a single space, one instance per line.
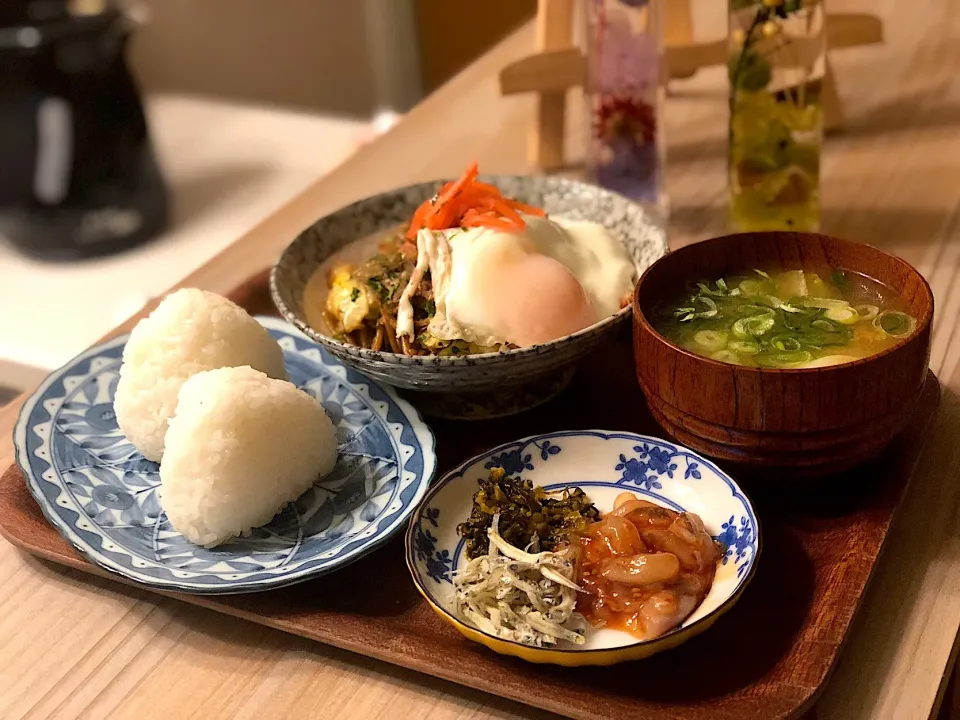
800 423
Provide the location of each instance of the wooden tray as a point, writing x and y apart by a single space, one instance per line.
769 657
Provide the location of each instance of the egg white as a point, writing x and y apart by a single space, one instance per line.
463 265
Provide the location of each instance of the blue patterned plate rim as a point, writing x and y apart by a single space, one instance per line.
399 413
460 469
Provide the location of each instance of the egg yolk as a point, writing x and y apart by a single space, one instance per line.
501 287
547 302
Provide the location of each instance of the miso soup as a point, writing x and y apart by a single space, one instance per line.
786 319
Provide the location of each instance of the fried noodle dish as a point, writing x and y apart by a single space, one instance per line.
475 272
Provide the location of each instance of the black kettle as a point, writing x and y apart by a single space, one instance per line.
79 175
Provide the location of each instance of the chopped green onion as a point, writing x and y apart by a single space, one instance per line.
746 328
377 286
895 323
711 340
687 318
727 357
780 305
751 310
744 347
867 312
722 284
711 310
844 315
824 325
684 311
761 273
785 343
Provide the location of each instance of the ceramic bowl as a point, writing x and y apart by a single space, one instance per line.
488 385
604 464
798 423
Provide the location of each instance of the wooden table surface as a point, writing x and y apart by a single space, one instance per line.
72 646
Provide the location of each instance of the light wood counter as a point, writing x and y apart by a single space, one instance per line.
73 646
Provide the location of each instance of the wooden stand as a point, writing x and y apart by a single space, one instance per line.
559 65
554 32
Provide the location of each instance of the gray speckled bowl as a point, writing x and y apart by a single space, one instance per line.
474 386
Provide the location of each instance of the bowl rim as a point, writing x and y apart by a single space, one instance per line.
412 417
923 324
457 472
453 360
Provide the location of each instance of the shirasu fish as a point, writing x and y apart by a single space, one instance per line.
517 595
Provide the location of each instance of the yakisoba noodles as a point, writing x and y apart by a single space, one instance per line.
473 272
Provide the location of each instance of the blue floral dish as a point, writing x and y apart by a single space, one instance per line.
604 464
101 494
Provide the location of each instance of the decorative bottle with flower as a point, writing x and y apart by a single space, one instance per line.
625 149
777 57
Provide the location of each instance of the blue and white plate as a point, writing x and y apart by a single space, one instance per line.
604 464
101 494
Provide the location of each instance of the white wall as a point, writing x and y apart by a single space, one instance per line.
314 54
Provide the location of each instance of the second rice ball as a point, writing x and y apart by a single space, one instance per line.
240 446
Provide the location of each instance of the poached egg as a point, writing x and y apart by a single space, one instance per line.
492 287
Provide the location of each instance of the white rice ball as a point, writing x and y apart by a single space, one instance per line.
189 332
240 446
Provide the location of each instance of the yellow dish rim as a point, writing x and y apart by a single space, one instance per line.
567 657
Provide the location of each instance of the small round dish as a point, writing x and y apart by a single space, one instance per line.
101 495
472 386
604 464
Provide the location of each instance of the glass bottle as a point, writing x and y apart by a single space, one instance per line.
625 152
776 63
